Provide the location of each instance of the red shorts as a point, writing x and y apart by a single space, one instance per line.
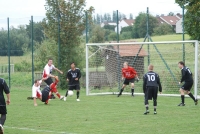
38 94
54 90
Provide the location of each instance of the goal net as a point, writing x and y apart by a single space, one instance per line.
104 62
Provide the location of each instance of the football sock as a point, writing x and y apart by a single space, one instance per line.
3 119
58 95
191 95
183 99
66 93
132 90
77 93
121 91
147 108
154 109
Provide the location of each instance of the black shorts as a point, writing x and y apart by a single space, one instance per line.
127 81
187 86
2 105
74 87
151 92
48 81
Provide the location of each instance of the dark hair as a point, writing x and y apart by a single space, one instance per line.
50 59
36 81
72 63
182 63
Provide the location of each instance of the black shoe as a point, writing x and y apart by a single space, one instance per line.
181 104
132 95
147 112
155 112
119 95
29 98
196 102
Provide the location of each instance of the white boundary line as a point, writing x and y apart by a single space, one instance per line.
37 130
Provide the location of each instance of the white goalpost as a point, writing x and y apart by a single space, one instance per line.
104 62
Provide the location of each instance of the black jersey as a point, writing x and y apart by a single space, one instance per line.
72 75
151 79
3 88
186 75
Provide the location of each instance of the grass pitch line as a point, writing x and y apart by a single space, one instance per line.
36 130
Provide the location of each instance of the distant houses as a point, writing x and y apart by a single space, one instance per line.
174 21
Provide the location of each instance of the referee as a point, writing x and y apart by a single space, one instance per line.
3 111
151 82
188 82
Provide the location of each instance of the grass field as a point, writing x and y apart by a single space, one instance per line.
99 115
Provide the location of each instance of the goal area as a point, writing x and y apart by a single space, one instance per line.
104 62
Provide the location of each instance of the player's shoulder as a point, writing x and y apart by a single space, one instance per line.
2 80
77 69
69 70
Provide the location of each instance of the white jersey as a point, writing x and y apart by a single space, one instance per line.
47 70
36 90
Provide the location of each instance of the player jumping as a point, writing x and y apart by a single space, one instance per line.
187 78
73 76
47 74
130 75
151 82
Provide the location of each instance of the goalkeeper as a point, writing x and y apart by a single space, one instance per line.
129 75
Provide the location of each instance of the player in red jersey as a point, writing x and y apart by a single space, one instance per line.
47 74
129 75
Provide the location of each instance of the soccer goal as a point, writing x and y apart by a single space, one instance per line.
105 60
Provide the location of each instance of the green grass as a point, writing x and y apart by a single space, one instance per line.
99 115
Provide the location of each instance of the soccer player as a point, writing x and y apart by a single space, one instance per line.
130 75
47 74
3 88
187 78
36 93
151 82
73 76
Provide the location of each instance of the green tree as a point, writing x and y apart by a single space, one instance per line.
112 36
98 19
192 17
126 35
170 14
109 27
114 16
163 29
72 24
127 29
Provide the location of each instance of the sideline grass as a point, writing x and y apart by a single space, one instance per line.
99 115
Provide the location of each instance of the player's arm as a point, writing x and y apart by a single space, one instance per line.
144 83
7 91
78 75
123 75
135 73
68 76
183 75
159 84
58 70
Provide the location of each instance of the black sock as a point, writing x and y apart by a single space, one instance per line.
77 94
3 119
132 90
154 109
191 95
121 91
66 93
147 108
183 98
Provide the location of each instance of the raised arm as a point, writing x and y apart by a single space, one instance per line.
58 70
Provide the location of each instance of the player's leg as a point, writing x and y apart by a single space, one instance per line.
132 87
182 97
155 94
146 102
54 90
49 96
66 94
2 121
192 96
126 82
77 87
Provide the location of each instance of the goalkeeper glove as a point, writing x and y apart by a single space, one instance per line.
137 79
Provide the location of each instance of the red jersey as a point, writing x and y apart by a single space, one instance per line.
129 73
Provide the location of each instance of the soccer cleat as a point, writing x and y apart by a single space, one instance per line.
147 112
132 95
65 98
181 104
77 99
29 98
155 112
196 102
1 129
61 97
119 95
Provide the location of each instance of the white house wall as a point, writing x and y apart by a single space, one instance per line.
121 25
179 26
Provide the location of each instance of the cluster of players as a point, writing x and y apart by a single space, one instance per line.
151 84
72 77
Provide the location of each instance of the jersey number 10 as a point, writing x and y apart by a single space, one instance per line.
151 77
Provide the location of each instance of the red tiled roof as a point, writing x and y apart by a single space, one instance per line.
172 20
130 22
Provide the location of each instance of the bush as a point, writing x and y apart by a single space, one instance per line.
126 35
24 66
163 29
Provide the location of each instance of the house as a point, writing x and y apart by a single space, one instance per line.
124 23
108 23
179 28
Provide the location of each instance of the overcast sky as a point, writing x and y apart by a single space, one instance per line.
19 11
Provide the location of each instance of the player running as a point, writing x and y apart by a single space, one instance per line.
47 74
151 82
73 76
3 111
130 75
45 94
187 78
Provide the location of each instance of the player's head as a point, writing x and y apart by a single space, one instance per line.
72 65
50 61
181 64
125 64
36 82
150 67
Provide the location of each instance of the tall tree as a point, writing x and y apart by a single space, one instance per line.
170 14
108 17
114 16
131 16
192 17
98 19
72 24
105 17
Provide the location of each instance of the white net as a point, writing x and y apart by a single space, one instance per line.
104 63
